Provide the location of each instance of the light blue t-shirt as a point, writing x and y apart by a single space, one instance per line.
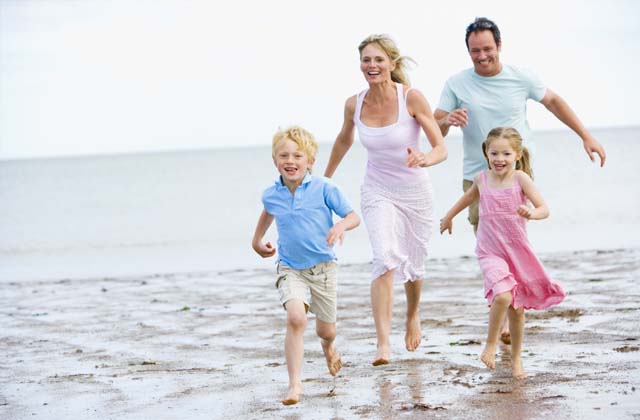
304 219
496 101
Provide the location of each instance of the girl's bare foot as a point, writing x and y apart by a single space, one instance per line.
334 363
293 397
488 356
383 356
518 369
413 336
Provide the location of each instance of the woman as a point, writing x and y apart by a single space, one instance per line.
396 195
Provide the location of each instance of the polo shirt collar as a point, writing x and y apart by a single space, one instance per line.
278 181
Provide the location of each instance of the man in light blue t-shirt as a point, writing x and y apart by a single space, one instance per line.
492 94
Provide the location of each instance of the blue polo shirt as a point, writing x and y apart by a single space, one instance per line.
304 219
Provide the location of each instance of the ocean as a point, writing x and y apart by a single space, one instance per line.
195 211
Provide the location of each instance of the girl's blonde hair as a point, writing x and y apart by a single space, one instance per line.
515 141
387 45
304 139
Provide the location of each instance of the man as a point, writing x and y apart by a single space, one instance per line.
492 94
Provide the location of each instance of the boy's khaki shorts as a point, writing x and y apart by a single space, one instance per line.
315 286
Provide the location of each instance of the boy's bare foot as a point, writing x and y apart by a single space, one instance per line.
518 369
413 336
382 356
293 397
505 337
488 356
334 363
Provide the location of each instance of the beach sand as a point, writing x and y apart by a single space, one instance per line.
210 345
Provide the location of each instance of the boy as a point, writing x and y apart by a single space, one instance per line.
302 206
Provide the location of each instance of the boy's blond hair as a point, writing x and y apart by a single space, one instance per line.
304 139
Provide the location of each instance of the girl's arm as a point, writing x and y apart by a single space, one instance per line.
540 210
344 140
264 250
418 108
336 233
472 194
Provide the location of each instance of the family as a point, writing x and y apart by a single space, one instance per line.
488 103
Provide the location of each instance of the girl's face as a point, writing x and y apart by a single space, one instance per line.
502 156
375 64
292 162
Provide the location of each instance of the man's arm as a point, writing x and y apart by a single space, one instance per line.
456 118
561 109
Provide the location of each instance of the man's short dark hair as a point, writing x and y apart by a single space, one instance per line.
482 24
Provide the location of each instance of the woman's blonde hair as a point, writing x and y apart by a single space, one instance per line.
304 139
387 45
515 141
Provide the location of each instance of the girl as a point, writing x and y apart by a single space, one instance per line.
514 278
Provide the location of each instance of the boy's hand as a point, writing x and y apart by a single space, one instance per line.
336 234
525 211
445 224
264 250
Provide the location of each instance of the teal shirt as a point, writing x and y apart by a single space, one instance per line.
496 101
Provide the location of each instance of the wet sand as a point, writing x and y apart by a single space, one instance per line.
210 345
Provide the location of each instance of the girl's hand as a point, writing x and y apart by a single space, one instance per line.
525 211
445 224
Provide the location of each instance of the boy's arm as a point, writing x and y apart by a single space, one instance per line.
541 211
472 194
264 250
336 233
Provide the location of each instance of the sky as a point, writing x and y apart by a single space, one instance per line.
120 76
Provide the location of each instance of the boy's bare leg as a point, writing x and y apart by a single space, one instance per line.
294 348
413 335
382 306
516 323
497 314
327 333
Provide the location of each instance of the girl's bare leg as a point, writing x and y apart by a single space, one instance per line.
497 314
516 324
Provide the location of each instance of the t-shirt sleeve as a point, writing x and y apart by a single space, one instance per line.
335 199
535 88
448 100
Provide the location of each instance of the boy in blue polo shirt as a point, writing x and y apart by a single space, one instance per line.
302 206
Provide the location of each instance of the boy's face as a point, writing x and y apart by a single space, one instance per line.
292 163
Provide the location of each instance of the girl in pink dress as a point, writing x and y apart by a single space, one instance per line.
514 278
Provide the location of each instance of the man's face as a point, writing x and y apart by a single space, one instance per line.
484 53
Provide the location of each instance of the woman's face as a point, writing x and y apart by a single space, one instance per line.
375 64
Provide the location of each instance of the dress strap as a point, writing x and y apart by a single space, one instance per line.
359 100
403 112
483 179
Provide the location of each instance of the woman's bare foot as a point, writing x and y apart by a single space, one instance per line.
293 397
383 356
505 337
518 369
488 356
413 336
334 363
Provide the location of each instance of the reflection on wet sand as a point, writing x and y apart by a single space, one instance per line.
203 345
